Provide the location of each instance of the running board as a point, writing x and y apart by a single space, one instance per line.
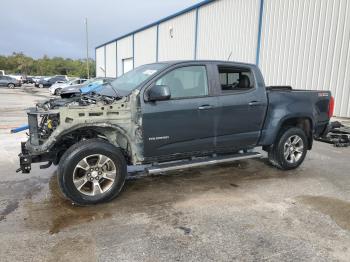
160 168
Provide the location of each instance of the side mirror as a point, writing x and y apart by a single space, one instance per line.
159 93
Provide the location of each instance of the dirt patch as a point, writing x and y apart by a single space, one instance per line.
18 190
56 213
337 209
10 207
75 249
22 189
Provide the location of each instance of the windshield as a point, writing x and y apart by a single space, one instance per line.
129 81
73 82
96 81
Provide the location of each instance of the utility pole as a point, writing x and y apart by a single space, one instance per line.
87 48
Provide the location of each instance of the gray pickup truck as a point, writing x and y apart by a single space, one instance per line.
170 116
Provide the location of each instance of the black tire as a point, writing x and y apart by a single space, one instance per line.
76 153
277 151
41 86
58 91
10 85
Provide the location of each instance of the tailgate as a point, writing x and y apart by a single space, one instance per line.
323 104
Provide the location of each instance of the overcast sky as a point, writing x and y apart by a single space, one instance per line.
56 27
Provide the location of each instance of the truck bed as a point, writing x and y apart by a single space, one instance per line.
283 102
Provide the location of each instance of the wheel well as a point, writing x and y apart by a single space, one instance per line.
303 123
84 133
66 141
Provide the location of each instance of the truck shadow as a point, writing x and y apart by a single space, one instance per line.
153 195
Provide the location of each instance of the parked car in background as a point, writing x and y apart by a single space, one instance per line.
10 82
58 83
49 82
17 77
56 88
36 79
28 80
89 86
2 72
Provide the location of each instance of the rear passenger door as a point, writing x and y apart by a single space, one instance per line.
184 123
241 108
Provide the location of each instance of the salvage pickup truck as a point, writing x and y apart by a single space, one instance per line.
170 116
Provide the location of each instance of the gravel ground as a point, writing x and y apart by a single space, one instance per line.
244 211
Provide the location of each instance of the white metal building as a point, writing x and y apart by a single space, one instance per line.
302 43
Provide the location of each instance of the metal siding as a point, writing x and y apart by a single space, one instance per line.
305 44
205 2
124 51
100 62
227 26
180 46
145 46
111 64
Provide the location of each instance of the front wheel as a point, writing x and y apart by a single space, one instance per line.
41 86
11 85
289 149
91 172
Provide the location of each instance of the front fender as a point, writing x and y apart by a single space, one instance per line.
58 134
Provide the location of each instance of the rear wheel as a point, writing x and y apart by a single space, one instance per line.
289 149
11 85
92 171
58 91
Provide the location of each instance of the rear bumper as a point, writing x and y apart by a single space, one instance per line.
322 129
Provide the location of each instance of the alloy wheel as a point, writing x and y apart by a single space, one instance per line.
293 149
94 175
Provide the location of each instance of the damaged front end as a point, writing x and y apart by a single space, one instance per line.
57 124
41 124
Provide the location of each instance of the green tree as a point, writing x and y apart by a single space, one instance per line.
19 63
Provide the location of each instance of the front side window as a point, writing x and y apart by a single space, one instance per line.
189 81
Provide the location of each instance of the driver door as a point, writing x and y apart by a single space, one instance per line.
184 123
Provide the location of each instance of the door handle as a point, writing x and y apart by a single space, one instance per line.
205 107
254 103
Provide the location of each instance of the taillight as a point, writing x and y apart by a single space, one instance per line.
331 107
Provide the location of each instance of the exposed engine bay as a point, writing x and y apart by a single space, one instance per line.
83 100
48 119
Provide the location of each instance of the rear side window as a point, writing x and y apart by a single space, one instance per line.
189 81
235 79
